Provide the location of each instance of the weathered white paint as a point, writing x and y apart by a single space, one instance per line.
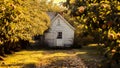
59 42
59 24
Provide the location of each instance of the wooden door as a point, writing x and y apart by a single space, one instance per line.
59 39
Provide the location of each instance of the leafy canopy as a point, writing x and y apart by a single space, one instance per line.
22 19
101 17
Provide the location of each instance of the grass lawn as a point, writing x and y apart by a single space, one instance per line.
31 58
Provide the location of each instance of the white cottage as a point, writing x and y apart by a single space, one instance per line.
60 32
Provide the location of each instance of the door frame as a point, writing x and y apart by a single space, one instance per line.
59 38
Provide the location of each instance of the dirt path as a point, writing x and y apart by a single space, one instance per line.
63 62
71 58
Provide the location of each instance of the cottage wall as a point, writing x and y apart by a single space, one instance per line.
60 25
68 33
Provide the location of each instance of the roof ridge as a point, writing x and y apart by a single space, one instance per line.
64 20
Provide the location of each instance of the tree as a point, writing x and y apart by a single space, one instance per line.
101 17
20 20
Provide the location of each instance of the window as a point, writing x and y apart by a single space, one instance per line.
59 36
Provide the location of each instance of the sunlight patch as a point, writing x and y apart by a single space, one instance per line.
77 53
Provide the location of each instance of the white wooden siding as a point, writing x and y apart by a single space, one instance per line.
65 28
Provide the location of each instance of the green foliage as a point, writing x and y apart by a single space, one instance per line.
101 17
20 20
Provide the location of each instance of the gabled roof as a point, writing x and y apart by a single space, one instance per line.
53 16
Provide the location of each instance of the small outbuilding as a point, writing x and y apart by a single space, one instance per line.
60 32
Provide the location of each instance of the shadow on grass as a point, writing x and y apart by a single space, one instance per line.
21 65
36 48
30 65
92 57
52 50
9 65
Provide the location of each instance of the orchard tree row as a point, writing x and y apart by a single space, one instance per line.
100 18
20 20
